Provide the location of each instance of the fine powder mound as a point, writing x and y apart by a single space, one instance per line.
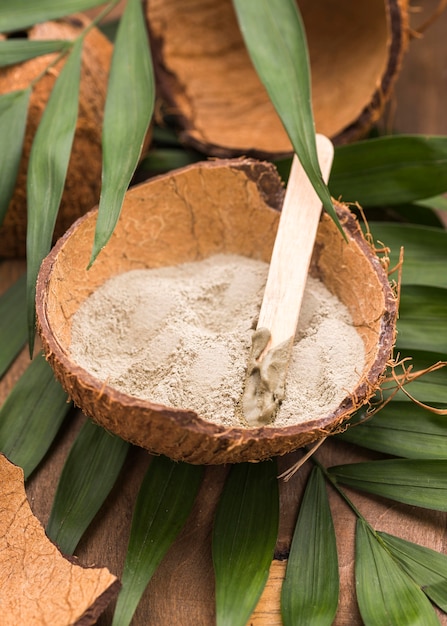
180 336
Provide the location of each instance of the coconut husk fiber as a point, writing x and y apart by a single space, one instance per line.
39 586
208 84
84 172
228 206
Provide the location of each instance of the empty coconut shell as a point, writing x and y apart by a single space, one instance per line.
209 85
226 206
84 172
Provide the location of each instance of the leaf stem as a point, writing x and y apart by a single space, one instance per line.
337 488
66 50
111 5
69 44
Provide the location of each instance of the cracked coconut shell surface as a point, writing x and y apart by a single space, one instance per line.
208 84
83 182
228 206
39 586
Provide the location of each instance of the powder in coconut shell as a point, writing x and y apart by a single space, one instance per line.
181 336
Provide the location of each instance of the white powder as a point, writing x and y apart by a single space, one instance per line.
181 336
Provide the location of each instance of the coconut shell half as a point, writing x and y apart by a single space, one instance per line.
84 172
208 83
40 586
214 207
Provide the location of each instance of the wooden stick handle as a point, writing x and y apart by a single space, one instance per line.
292 250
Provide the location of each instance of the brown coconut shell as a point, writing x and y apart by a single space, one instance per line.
84 172
207 208
40 586
208 83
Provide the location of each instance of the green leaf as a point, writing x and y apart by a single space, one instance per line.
109 28
89 473
402 429
425 252
244 537
32 415
385 594
23 13
413 213
162 160
47 170
426 567
17 50
284 166
422 319
128 111
310 590
417 482
165 137
164 502
431 387
274 34
13 114
12 323
437 202
390 170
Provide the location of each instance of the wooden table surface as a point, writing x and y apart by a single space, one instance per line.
182 589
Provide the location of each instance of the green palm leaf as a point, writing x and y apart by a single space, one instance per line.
417 482
128 111
13 113
12 323
88 475
31 416
160 160
435 202
422 319
310 589
431 387
426 567
47 170
23 13
425 251
164 502
244 537
385 593
413 213
17 50
402 429
390 170
274 34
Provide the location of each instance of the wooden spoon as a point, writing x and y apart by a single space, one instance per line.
283 295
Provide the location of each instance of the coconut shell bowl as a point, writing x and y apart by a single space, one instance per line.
222 206
207 82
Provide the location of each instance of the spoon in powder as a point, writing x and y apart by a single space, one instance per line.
272 340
